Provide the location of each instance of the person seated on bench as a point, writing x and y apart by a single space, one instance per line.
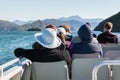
107 36
86 45
48 52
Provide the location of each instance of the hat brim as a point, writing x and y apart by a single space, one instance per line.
56 43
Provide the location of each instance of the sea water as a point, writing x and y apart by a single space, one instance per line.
9 41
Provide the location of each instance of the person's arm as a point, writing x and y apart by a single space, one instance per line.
27 53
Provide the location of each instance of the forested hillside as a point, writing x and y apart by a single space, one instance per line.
115 19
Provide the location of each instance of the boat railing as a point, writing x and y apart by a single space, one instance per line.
103 63
8 74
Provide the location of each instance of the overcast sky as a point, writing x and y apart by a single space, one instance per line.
41 9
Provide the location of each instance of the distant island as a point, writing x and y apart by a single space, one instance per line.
34 29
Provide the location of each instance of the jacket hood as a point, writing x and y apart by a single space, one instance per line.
85 33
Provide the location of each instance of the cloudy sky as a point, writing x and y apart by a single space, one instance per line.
41 9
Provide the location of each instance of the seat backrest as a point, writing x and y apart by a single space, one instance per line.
92 55
50 71
116 71
82 69
112 55
110 47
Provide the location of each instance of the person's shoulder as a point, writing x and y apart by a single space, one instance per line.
101 35
75 39
35 43
113 34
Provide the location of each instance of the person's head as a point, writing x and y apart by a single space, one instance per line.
85 33
89 24
48 38
67 28
52 26
61 30
108 26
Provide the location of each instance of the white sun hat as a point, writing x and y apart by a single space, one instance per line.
48 38
61 30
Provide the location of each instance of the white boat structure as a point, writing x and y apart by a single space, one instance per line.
106 67
15 72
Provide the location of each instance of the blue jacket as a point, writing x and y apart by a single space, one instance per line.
86 46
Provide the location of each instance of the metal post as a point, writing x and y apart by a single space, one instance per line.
102 63
1 72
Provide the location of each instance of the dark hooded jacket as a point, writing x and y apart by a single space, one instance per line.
86 46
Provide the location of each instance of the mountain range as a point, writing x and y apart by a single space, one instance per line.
8 26
19 22
74 21
78 18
